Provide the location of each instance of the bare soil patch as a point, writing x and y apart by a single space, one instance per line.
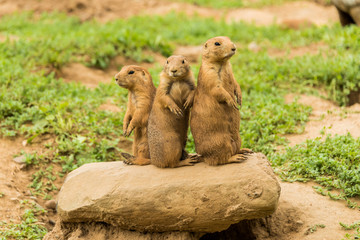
292 14
105 10
304 11
90 77
15 179
125 145
119 61
312 49
188 9
192 53
326 115
109 106
11 38
312 208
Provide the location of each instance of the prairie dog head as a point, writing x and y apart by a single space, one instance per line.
176 66
131 76
218 49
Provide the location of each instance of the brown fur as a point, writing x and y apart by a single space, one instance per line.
215 118
169 117
140 98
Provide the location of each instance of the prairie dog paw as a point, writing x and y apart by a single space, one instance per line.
176 110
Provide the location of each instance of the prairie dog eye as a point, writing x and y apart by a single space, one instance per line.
167 62
131 72
183 61
217 44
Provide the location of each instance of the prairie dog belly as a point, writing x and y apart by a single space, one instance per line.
179 92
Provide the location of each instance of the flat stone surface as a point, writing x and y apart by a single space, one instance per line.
198 198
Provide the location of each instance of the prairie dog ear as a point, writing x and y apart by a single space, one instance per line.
145 77
205 45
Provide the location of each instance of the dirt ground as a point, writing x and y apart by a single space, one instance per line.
326 116
308 208
302 207
293 14
16 177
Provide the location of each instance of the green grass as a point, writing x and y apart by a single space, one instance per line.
28 228
334 163
314 228
353 236
34 102
355 225
350 226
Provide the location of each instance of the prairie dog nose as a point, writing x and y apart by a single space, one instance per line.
174 70
233 48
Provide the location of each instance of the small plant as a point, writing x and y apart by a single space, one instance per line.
354 225
353 236
314 228
319 190
28 228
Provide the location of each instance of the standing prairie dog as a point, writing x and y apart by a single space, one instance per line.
215 117
169 117
140 98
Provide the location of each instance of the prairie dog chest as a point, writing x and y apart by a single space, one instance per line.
227 81
225 76
133 98
179 91
137 100
215 77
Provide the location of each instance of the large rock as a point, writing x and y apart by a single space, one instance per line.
199 198
349 11
346 5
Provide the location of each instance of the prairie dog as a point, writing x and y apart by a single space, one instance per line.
140 98
169 117
215 117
